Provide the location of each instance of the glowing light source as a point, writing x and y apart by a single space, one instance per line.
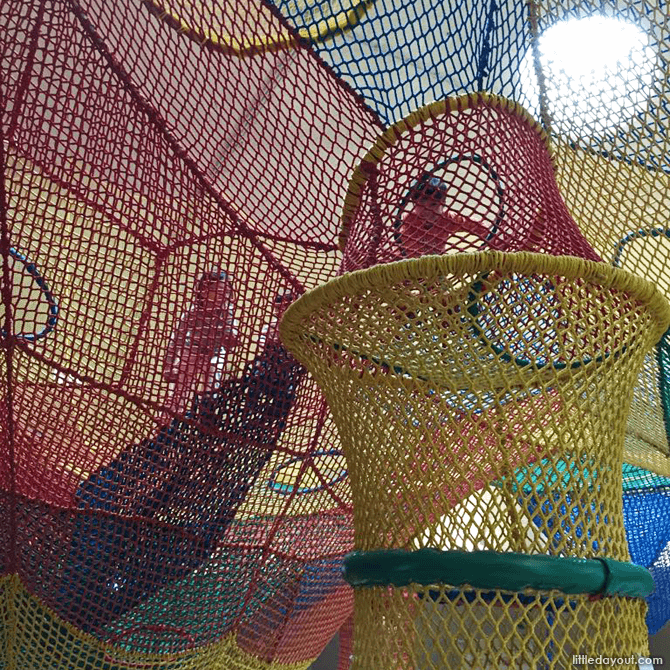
598 71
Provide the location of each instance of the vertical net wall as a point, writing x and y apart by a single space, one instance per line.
608 129
612 167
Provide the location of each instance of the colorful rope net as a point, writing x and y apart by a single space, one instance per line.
211 23
612 159
460 175
172 169
444 180
171 486
445 375
602 102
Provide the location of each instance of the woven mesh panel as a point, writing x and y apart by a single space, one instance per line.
646 506
612 167
218 26
446 375
404 55
150 146
170 481
463 175
42 640
613 172
441 627
646 436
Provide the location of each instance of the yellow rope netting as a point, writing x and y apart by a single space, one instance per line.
492 422
609 135
443 628
33 636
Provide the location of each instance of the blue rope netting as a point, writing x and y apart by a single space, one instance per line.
646 508
663 359
404 55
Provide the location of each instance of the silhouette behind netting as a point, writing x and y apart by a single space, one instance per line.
204 335
442 180
157 511
427 224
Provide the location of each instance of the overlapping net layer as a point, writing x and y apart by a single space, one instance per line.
214 24
612 158
156 153
611 153
445 180
170 480
404 55
463 174
248 606
646 508
482 403
604 108
646 436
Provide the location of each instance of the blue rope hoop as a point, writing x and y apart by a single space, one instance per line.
52 309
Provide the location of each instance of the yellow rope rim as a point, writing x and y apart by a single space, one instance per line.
317 32
380 276
394 133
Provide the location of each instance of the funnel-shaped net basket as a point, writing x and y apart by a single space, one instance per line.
463 174
482 401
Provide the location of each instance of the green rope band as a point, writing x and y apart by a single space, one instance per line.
497 571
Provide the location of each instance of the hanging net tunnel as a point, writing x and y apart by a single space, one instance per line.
184 483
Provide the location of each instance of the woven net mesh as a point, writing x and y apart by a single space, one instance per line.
444 375
170 481
645 505
465 174
444 628
172 487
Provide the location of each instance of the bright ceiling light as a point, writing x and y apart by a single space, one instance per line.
598 72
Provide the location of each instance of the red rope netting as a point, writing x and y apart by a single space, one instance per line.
463 175
171 198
